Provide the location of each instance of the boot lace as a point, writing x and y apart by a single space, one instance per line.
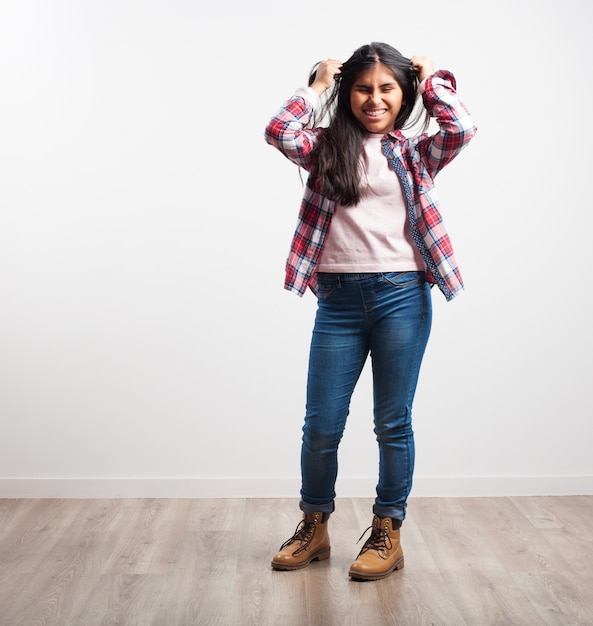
379 540
304 533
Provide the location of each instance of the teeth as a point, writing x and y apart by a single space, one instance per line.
374 113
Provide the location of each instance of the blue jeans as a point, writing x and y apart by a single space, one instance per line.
386 315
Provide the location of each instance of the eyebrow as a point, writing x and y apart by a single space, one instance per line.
390 84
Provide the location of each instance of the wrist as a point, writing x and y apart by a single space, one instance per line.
319 87
425 72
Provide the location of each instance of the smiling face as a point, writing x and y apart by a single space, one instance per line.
376 99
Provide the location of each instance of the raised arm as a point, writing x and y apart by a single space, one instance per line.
287 130
456 126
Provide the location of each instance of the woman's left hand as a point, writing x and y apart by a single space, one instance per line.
423 66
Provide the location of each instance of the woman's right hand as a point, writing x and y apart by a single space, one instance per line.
325 75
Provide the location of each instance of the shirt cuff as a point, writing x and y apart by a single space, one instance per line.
308 94
422 86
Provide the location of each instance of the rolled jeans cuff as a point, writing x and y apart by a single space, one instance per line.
393 512
307 507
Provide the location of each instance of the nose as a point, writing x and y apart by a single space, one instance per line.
375 97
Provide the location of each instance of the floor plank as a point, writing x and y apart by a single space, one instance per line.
158 562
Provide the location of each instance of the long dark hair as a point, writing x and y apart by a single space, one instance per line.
336 156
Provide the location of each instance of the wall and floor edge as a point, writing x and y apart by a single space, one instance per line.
424 486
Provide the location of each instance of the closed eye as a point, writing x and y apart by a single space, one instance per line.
384 88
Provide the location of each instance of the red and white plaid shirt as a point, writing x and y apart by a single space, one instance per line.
415 160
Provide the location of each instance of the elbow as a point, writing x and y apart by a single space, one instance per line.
466 128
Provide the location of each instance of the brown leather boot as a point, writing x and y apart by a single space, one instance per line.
310 542
381 554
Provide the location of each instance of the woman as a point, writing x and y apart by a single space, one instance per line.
369 243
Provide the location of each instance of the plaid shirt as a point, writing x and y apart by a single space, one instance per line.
415 160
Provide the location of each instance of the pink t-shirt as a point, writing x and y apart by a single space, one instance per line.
373 235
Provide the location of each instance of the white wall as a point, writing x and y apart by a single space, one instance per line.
147 344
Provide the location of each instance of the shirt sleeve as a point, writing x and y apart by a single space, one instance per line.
287 130
308 94
456 126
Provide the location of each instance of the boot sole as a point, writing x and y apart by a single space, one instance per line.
399 564
286 567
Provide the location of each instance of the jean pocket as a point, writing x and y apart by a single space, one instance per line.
401 280
324 290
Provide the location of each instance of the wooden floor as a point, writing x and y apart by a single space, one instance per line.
469 561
